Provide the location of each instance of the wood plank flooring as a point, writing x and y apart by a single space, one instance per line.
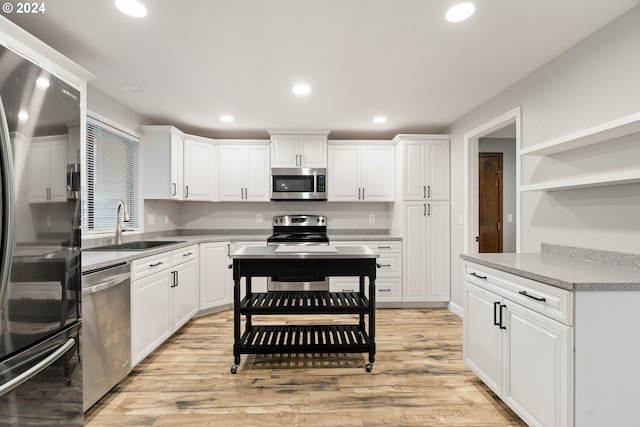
418 379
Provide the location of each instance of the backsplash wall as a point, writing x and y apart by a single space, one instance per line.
243 215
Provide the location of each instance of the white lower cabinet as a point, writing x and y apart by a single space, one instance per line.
516 348
215 276
388 273
427 253
164 291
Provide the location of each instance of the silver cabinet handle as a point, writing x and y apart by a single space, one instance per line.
39 367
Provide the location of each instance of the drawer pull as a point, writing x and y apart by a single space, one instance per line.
385 290
155 264
187 254
384 247
383 265
541 299
479 276
348 290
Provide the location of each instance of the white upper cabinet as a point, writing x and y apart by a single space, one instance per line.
200 165
290 151
244 173
364 173
176 168
48 169
425 174
163 163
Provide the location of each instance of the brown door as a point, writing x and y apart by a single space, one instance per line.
490 202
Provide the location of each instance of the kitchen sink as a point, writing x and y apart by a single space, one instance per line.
140 245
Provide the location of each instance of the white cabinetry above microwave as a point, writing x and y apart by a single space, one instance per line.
291 150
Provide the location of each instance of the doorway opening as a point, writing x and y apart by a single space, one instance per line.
493 223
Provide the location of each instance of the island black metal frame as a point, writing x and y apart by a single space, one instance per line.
277 339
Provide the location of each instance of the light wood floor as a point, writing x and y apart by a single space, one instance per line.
418 379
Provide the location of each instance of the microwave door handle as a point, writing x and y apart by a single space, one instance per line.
7 203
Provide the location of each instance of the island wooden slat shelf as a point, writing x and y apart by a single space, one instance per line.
256 261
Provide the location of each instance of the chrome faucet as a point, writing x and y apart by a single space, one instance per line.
121 204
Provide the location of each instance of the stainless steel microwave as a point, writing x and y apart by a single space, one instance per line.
298 184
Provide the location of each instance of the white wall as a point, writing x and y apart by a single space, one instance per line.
593 82
243 215
506 146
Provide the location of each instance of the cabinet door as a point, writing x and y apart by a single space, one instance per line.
184 296
150 314
231 172
284 151
344 173
415 253
215 278
177 186
39 173
481 338
537 364
257 173
199 167
414 175
438 252
58 171
378 173
438 170
313 151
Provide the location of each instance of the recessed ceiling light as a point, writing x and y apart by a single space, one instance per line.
460 12
379 119
132 88
227 118
132 8
42 82
23 115
301 89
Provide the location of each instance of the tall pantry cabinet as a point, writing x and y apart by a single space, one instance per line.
423 216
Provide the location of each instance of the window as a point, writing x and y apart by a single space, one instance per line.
111 175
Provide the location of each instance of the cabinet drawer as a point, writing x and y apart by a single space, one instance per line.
184 254
386 289
377 247
554 302
143 267
389 265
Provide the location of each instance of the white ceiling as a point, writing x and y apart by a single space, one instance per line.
198 59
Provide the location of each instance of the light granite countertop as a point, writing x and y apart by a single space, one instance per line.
568 268
92 260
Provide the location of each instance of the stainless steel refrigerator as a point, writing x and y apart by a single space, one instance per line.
40 280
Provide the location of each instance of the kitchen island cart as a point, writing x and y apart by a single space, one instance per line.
282 262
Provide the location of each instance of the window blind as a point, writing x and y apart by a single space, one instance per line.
111 175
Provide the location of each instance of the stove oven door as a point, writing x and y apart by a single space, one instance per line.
298 283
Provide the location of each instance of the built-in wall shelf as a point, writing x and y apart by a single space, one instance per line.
609 130
600 180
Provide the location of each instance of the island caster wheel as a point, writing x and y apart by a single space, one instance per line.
234 369
369 367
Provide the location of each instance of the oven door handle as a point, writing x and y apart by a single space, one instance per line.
36 369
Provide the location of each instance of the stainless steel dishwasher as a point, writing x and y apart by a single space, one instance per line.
106 330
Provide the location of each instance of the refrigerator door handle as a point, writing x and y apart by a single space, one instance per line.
36 369
7 202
